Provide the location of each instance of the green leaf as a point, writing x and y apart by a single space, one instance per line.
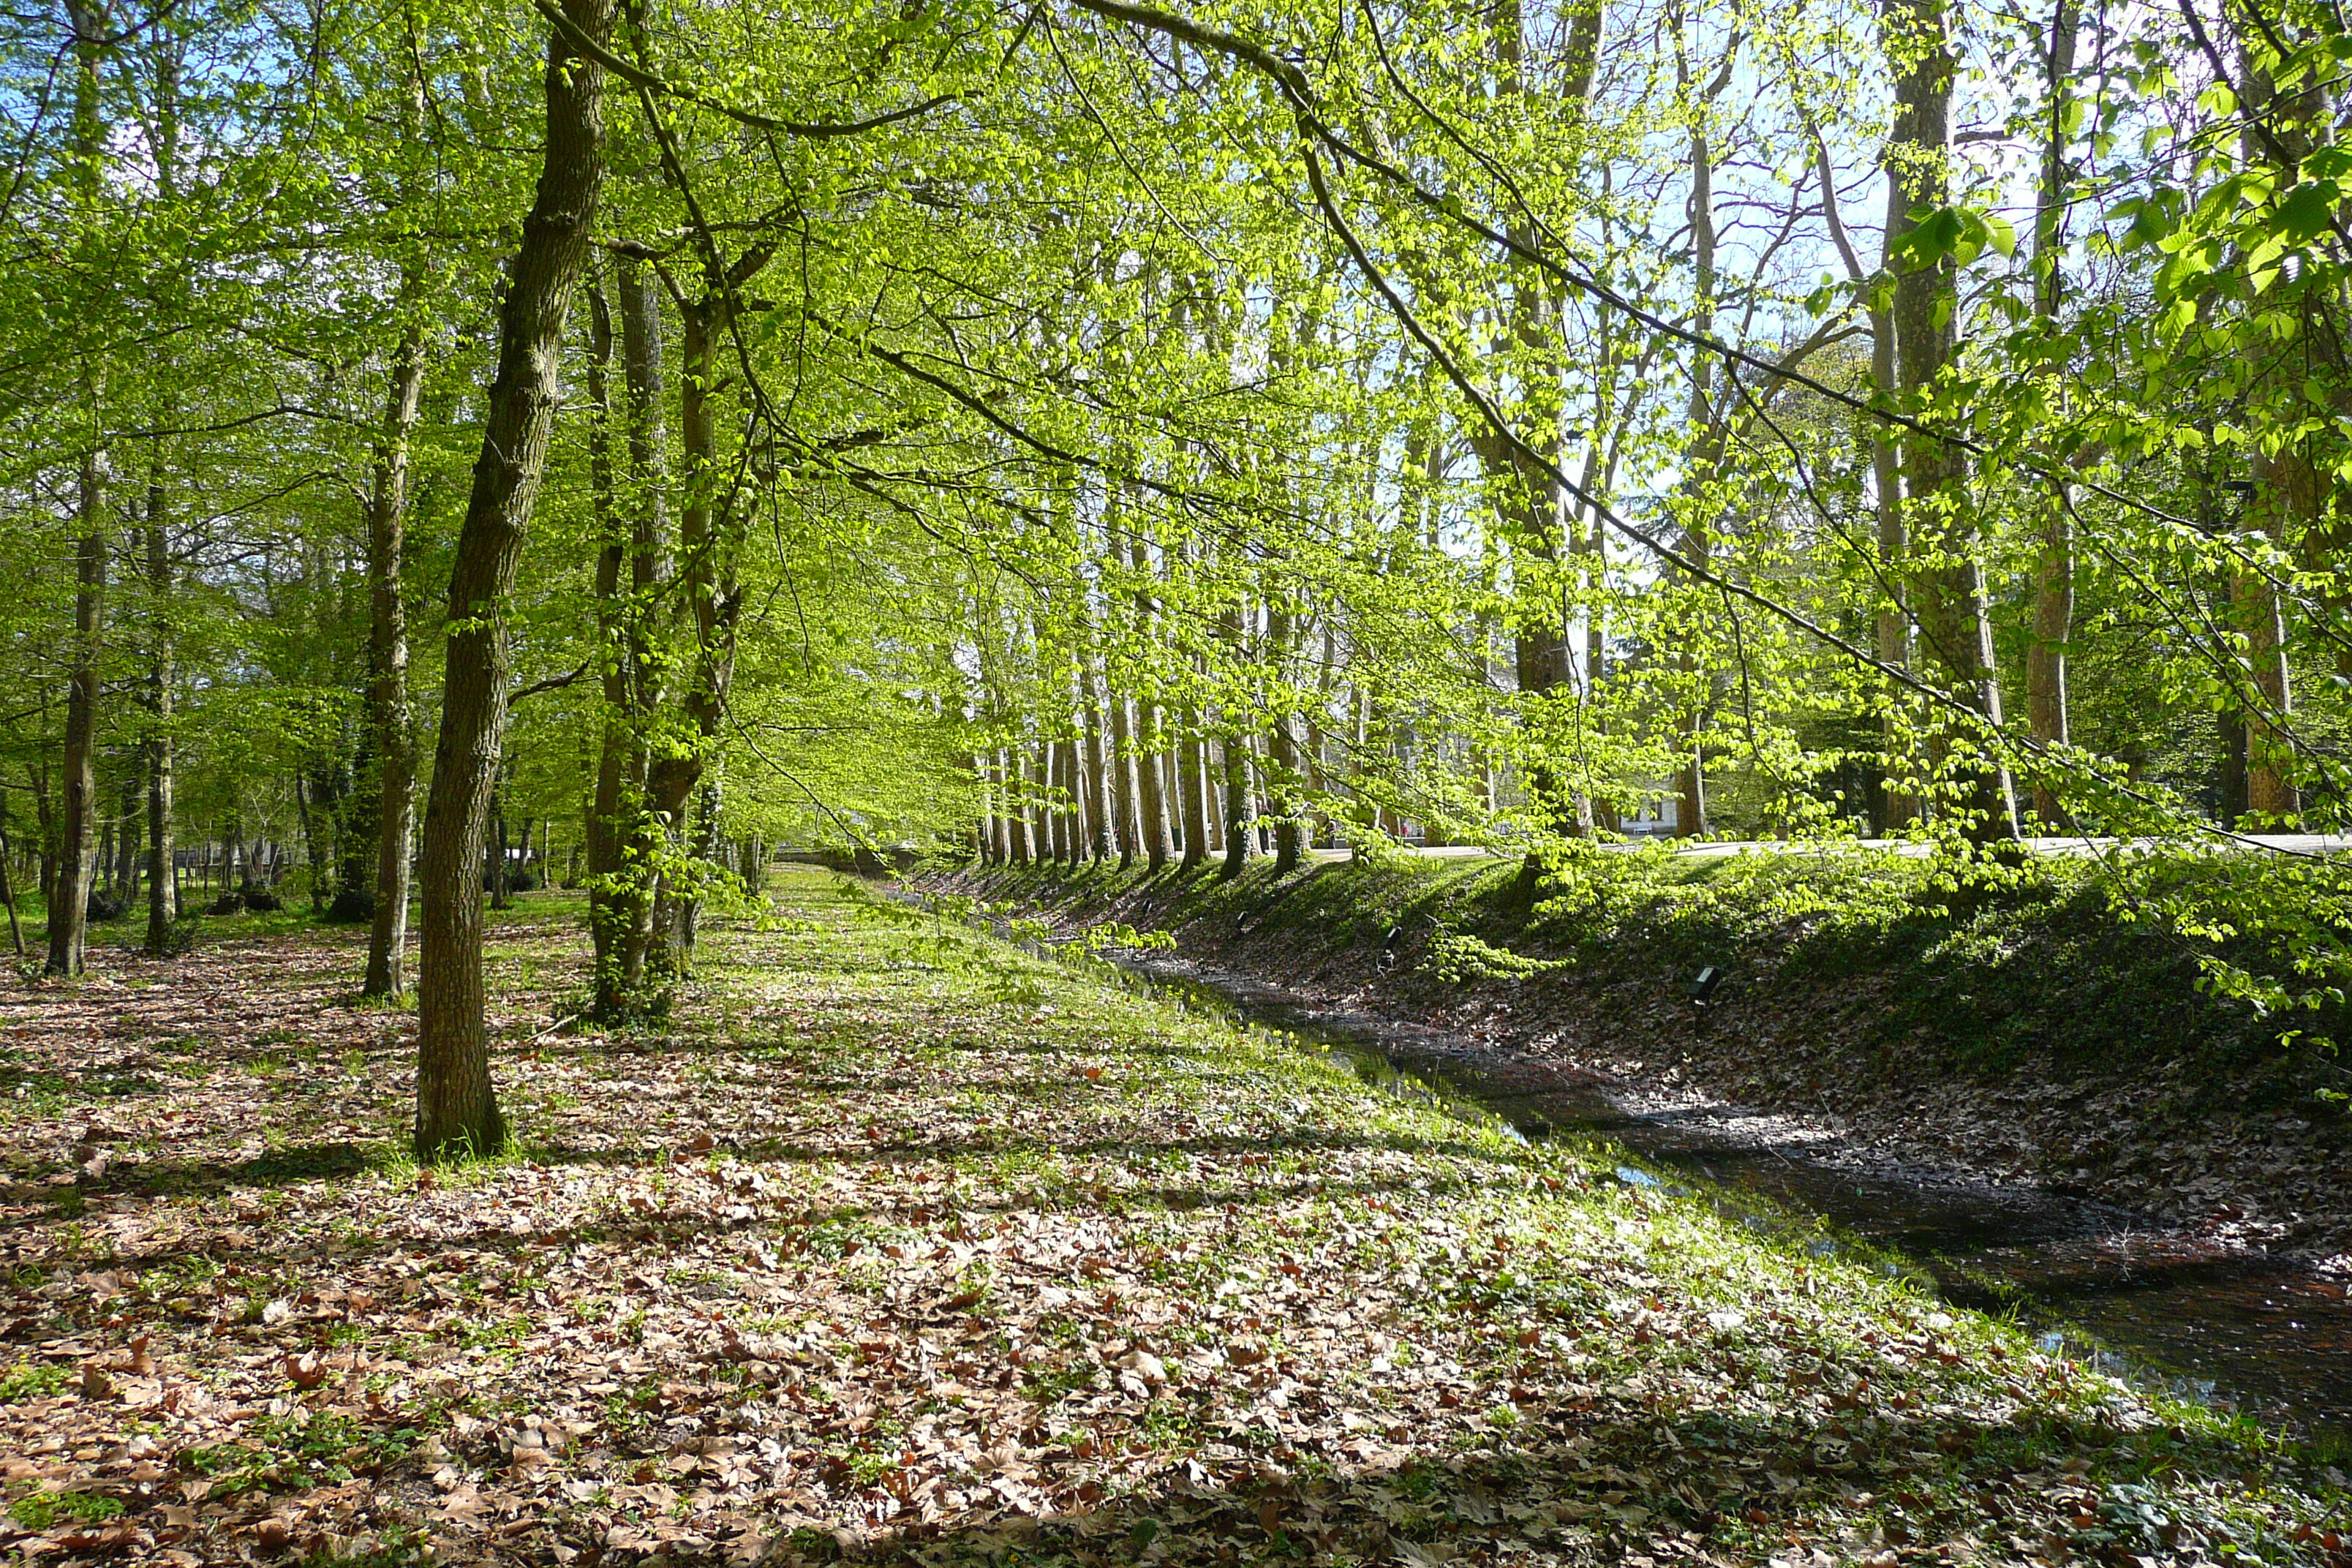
2307 210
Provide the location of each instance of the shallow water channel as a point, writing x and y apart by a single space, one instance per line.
2161 1306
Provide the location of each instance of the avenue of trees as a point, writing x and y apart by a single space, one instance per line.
1153 433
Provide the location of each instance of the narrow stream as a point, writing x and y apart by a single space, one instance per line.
2235 1330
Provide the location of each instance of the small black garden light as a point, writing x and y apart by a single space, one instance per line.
1702 988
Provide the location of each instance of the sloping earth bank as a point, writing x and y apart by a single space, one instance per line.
2192 1142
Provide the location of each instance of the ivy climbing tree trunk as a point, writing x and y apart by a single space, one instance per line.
457 1109
709 526
633 576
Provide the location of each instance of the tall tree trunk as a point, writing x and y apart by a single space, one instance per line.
1284 771
1049 808
76 837
2289 492
604 831
7 884
1036 765
126 840
1240 839
1954 624
310 845
707 526
2286 488
1125 764
1531 498
388 710
163 870
501 848
1191 768
1012 823
161 676
1237 813
45 824
1690 812
457 1111
1069 845
633 572
710 840
1893 808
1158 844
2053 567
69 900
1101 835
984 826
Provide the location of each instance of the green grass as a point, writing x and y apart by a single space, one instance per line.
27 1380
2064 964
39 1511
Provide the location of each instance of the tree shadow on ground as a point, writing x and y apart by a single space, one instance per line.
1596 1478
324 1160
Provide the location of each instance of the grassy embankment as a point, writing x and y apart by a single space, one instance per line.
2103 1058
2050 970
894 1239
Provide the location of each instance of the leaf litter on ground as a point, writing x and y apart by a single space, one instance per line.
894 1242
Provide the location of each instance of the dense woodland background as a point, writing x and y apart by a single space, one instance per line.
633 436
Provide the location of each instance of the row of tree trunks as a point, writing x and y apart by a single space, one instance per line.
1049 803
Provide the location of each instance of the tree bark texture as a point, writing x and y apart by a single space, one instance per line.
1192 766
161 909
77 840
1955 627
457 1109
1237 812
634 570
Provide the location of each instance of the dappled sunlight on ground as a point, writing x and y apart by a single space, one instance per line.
892 1241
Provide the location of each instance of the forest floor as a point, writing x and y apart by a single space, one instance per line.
893 1243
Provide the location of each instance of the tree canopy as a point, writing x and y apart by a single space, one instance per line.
1157 431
